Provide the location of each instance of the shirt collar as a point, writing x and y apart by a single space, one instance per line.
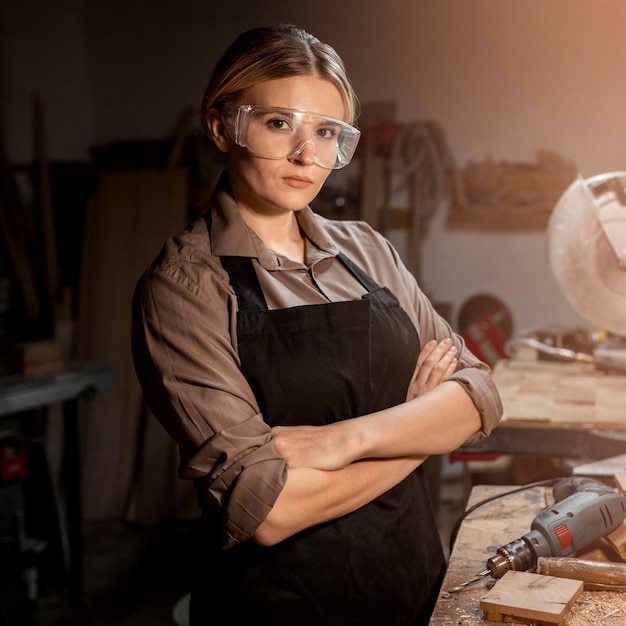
231 236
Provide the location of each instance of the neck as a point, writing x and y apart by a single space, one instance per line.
279 232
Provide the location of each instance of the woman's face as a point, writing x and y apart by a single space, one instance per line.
270 186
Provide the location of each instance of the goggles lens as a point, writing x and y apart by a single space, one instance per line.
276 133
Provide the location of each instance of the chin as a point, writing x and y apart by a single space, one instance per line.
298 201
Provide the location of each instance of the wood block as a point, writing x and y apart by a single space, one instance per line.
617 539
38 357
530 599
620 482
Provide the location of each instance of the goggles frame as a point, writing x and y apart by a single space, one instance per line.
237 121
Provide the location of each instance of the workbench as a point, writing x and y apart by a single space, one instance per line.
21 394
559 408
481 533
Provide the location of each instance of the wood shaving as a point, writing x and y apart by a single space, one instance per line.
598 608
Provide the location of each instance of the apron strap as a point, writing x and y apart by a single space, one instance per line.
245 282
365 279
242 276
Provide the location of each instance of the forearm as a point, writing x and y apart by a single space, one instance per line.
312 496
434 423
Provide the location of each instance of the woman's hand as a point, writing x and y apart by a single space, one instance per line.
435 363
322 447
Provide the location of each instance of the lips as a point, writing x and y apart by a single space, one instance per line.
298 182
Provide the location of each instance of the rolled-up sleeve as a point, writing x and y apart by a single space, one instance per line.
247 480
479 385
184 351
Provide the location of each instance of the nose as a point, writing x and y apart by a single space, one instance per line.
304 153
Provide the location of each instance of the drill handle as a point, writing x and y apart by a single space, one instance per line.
576 521
573 484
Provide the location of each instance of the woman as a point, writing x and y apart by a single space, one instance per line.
281 351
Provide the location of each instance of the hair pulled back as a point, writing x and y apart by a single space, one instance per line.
273 52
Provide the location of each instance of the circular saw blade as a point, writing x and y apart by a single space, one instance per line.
583 262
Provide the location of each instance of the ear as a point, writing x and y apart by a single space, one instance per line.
217 130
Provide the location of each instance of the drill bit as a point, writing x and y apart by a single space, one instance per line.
471 581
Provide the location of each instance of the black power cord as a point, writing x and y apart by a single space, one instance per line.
457 525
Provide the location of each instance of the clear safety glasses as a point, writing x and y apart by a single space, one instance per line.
276 133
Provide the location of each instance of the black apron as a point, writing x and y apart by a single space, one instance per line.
381 565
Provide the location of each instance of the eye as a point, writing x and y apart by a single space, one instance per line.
328 132
278 123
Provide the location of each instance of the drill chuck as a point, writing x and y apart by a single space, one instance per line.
517 555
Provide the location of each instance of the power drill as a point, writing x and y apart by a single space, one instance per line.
585 510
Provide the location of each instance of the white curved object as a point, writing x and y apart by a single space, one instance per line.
587 249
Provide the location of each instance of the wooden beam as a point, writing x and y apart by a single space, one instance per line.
48 229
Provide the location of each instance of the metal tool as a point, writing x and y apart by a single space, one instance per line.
585 510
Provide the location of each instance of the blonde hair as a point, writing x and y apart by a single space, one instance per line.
273 52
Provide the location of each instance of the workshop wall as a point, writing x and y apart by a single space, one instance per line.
503 80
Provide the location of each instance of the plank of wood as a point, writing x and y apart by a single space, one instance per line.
22 267
531 598
126 224
16 234
48 228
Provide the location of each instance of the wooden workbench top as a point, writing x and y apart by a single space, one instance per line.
560 393
480 535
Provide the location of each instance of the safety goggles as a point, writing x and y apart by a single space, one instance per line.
277 133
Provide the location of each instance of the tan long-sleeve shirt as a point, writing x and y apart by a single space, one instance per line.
185 346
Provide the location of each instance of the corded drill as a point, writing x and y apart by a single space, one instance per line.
585 510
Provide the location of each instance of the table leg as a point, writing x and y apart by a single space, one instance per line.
72 479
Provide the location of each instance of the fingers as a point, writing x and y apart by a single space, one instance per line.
425 352
436 357
436 362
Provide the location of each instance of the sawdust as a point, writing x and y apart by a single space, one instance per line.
598 608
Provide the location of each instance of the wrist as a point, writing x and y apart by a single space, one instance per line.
361 438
